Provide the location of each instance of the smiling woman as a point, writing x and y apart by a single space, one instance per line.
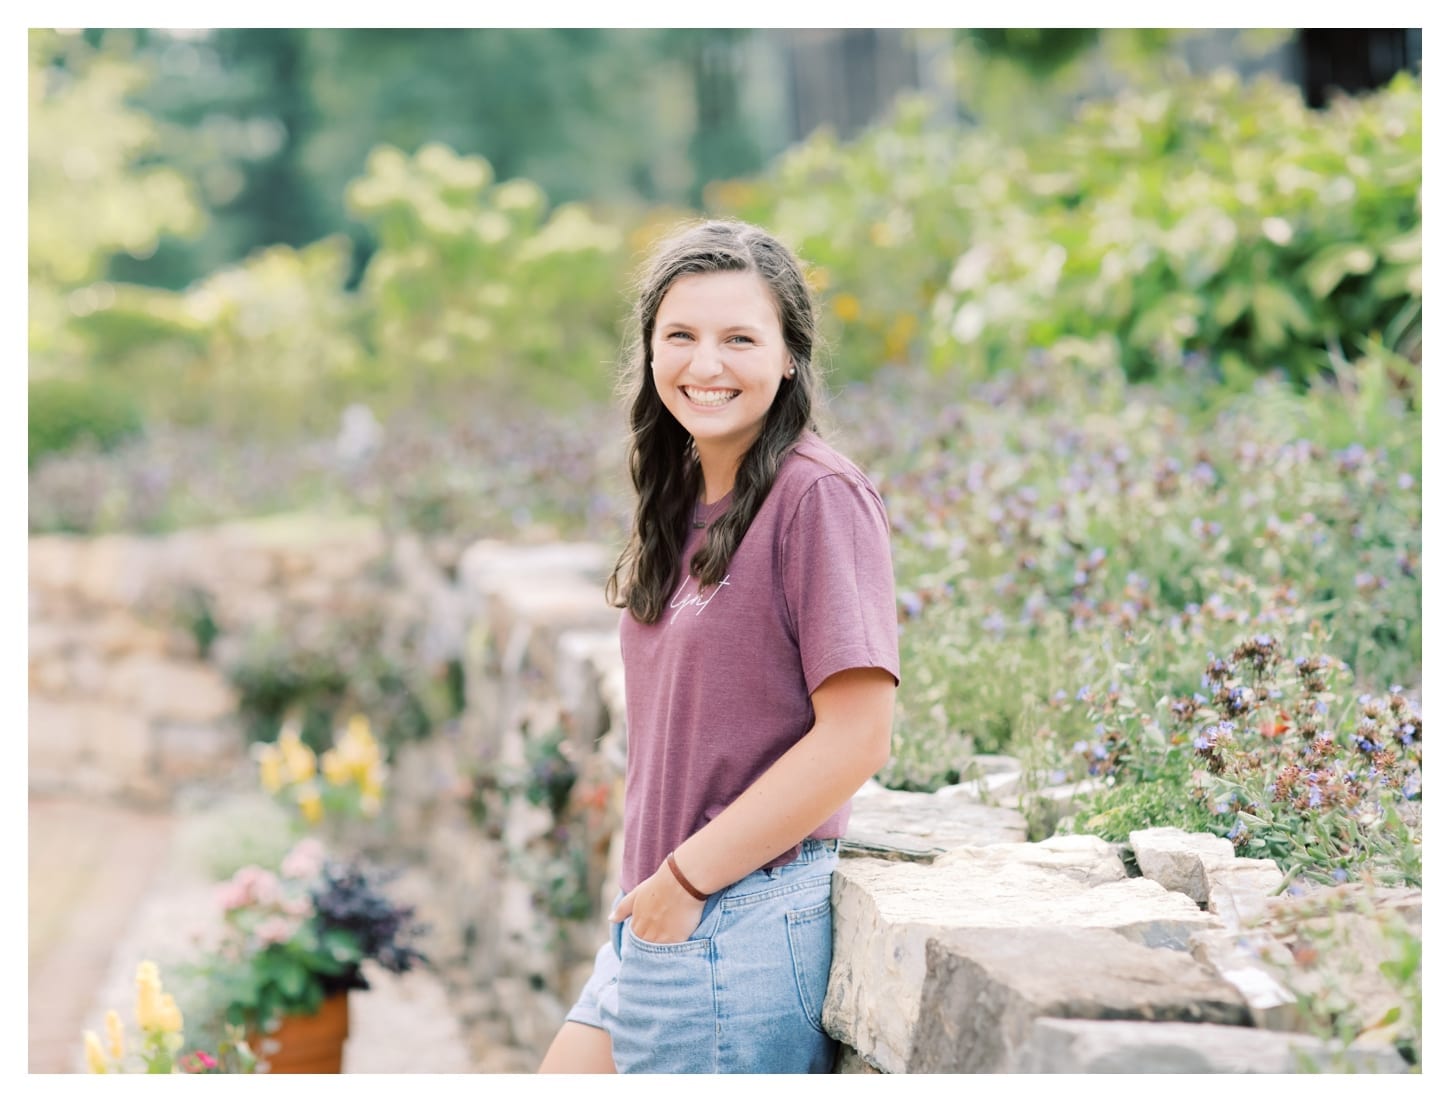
719 358
760 560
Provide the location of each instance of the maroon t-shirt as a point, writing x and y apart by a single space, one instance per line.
719 687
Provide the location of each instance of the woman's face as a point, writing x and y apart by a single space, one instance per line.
718 357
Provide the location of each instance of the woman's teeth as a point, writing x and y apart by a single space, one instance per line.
709 397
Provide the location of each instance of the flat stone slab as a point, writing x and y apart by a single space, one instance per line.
487 564
917 826
1076 1047
1085 858
887 911
985 988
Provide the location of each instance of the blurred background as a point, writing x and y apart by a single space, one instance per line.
1125 323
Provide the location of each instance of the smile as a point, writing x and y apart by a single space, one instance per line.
708 397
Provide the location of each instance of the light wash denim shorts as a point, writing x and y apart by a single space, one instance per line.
742 994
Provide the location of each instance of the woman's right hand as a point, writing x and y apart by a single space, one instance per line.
660 909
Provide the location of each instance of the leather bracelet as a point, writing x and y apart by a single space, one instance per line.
674 868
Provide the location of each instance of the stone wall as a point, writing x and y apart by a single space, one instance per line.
960 945
130 637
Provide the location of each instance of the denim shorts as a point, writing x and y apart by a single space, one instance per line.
742 994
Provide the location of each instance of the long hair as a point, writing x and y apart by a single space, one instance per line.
663 463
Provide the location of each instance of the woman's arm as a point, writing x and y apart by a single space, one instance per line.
850 741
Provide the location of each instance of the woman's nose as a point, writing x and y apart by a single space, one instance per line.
708 361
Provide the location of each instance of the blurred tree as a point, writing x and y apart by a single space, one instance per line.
724 142
1039 50
274 123
96 188
233 112
1028 80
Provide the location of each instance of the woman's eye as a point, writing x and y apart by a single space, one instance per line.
742 339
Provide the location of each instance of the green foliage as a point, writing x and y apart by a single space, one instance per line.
268 345
475 280
1326 943
1057 530
1270 755
94 189
877 220
67 413
1040 50
272 123
233 831
550 774
1207 227
280 674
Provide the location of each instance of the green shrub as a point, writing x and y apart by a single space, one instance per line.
354 668
66 413
477 280
266 346
1206 227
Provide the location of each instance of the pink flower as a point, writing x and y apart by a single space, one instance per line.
275 930
298 908
248 885
266 889
232 896
304 861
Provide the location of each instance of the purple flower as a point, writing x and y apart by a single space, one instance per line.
1236 829
1340 875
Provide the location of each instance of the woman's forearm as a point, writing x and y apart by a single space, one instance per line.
850 741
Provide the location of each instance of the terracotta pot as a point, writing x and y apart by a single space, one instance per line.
307 1044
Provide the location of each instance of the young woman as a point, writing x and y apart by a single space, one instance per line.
760 657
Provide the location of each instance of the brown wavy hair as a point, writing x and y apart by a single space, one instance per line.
663 462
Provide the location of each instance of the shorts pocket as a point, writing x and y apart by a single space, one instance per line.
663 1019
809 930
691 944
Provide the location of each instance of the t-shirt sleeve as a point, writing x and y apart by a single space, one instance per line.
840 593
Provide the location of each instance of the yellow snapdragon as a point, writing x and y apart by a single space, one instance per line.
95 1055
169 1020
269 767
309 802
335 768
309 782
298 760
159 1020
148 996
115 1035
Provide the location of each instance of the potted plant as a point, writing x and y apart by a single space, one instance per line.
294 944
